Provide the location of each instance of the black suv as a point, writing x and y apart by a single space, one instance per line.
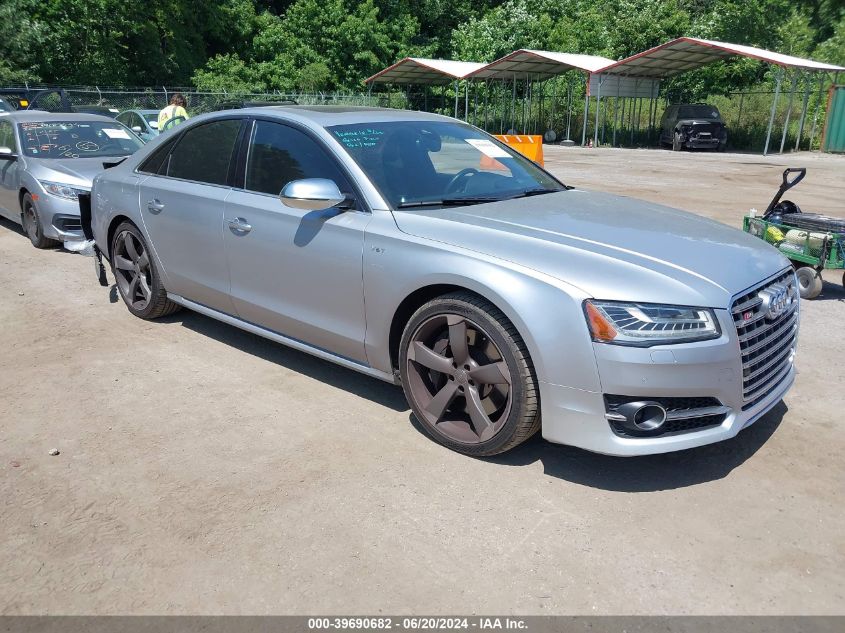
694 125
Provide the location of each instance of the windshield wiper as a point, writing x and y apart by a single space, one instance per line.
447 202
535 192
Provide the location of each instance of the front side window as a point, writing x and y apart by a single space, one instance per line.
420 163
77 139
279 154
7 136
204 152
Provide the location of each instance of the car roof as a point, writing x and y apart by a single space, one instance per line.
140 111
326 116
42 116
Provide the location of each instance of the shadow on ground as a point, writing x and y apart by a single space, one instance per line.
831 292
383 393
648 473
623 474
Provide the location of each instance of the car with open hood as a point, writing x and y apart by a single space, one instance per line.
418 249
46 160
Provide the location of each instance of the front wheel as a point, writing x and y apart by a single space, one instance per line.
31 222
468 376
809 282
138 280
677 142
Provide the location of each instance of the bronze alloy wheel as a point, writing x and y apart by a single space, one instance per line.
136 274
132 270
467 376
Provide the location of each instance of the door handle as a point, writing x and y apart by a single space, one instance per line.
239 225
154 206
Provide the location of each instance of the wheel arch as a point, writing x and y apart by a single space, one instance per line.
115 222
21 193
410 304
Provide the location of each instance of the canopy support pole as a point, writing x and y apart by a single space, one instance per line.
456 98
486 102
466 101
475 104
586 110
788 110
598 111
513 105
816 111
772 114
568 108
804 105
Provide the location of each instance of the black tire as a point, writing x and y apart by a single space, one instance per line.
31 223
677 142
140 284
809 282
519 419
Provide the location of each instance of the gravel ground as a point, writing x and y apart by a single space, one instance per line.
205 470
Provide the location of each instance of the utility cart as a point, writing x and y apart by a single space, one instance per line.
811 241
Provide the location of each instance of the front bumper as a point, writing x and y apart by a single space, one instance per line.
708 369
59 218
702 143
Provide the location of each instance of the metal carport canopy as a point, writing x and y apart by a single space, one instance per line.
688 53
421 71
538 65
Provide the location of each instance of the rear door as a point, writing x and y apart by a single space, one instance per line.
182 209
298 273
9 181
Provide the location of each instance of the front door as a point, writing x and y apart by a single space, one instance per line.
182 209
9 181
298 273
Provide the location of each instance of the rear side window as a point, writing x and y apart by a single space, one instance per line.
204 152
279 154
157 160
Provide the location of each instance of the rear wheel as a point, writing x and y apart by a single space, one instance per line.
31 222
138 280
809 282
468 377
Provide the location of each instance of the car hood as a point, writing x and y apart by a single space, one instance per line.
610 247
72 171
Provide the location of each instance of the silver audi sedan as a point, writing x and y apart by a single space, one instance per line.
419 250
46 160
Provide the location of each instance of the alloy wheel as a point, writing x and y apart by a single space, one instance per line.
459 379
132 270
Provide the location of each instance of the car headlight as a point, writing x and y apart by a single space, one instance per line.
61 190
646 324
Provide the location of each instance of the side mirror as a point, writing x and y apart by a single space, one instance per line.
154 125
311 194
137 129
6 153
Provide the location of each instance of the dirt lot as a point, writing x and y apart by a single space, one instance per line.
205 470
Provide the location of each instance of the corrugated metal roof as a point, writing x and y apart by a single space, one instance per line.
418 70
688 53
539 65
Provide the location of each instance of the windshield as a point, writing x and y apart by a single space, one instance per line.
422 163
77 139
697 112
150 116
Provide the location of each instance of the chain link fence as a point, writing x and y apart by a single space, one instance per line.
556 114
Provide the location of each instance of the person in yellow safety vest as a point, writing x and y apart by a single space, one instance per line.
174 114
